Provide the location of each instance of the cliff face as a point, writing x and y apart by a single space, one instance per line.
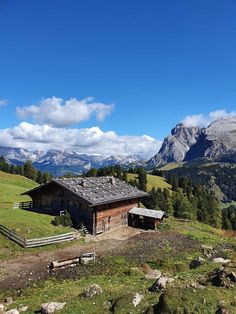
217 141
176 145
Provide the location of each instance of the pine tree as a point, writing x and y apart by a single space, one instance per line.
29 171
46 177
39 177
125 176
142 179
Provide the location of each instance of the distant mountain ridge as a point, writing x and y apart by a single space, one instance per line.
59 162
216 142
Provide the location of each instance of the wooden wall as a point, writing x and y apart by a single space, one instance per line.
113 216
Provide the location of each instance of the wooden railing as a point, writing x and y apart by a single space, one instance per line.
29 243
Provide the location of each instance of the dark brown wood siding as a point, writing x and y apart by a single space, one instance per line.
113 216
53 199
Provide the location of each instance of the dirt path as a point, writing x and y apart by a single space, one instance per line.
20 272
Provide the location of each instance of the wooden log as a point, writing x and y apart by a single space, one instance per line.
57 264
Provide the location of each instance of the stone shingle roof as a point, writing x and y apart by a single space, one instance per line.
158 214
98 190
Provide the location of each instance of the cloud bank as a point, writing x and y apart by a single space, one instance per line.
202 120
61 113
85 140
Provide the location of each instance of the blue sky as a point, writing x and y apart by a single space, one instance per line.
155 62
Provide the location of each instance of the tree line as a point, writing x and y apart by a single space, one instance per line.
187 199
27 169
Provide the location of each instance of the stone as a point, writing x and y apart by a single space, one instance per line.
160 284
2 307
153 274
137 299
222 278
195 263
92 290
23 309
13 311
220 260
9 300
52 307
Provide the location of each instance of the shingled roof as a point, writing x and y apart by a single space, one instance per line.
98 190
158 214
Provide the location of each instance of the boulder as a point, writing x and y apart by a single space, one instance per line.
195 263
52 307
9 300
207 250
223 277
153 274
137 299
13 311
220 260
23 309
92 290
160 284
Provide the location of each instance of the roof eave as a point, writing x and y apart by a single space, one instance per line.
118 200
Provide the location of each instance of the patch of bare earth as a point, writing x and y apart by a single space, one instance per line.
133 244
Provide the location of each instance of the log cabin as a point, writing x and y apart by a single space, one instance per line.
101 204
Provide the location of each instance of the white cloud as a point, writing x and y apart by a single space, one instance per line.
3 102
63 113
89 140
204 120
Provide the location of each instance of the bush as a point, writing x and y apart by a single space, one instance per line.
64 220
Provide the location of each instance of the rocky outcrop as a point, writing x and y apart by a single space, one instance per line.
52 307
176 145
216 142
92 290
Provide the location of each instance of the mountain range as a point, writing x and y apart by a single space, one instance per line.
215 142
59 162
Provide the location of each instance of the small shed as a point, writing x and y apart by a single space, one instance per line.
145 218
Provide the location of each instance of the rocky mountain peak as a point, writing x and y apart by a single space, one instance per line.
176 145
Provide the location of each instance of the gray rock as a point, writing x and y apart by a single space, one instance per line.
217 140
13 311
23 309
195 263
153 274
92 290
186 143
52 307
220 260
160 284
137 299
9 300
176 145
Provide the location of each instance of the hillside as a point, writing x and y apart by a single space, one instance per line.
11 186
218 177
24 222
152 181
121 272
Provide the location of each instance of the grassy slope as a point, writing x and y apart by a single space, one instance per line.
123 277
172 165
156 181
26 223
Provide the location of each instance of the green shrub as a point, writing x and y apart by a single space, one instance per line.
63 220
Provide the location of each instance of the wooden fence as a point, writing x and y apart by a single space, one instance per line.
28 243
